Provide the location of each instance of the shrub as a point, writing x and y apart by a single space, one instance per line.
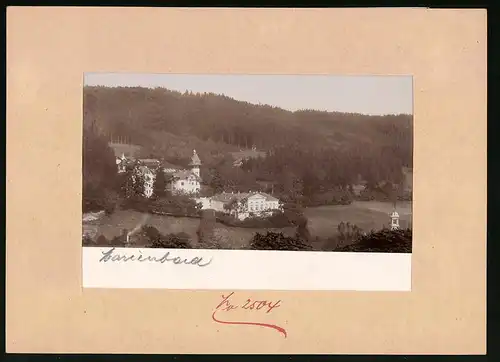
212 243
101 240
169 241
87 240
206 227
173 204
120 240
111 201
383 241
277 241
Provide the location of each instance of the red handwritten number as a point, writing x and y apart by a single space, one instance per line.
226 305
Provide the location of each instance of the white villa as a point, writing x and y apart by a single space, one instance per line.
185 181
242 205
180 181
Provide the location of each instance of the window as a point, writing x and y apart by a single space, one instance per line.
182 183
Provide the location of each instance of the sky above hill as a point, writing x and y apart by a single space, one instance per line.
374 95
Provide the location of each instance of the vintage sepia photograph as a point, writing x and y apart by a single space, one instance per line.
248 162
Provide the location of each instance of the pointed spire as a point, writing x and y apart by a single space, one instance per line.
195 160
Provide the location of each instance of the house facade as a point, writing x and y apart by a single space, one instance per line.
185 181
243 205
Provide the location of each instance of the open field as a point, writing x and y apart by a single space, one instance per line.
323 222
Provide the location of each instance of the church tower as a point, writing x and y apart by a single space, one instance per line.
195 164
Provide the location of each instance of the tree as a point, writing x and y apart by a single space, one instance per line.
99 171
111 201
309 183
302 232
216 182
138 183
347 233
294 213
127 182
206 227
160 184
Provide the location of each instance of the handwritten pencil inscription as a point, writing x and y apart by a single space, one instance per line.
258 306
112 256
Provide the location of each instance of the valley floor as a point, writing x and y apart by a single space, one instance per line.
323 222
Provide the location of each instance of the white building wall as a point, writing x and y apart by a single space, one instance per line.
204 201
257 206
217 206
186 186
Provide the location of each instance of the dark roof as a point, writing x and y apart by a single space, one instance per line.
168 165
266 196
195 160
145 169
184 175
149 162
226 196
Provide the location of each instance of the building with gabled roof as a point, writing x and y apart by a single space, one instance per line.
243 204
185 181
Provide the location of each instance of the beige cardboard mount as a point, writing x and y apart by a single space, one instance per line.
49 49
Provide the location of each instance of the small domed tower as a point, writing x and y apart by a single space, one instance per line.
394 220
195 163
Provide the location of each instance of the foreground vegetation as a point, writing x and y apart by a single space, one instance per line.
383 241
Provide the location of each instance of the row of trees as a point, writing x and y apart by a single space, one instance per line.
100 179
384 241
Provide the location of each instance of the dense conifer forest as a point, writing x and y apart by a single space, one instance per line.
314 155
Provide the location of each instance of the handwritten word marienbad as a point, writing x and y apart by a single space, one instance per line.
112 256
263 306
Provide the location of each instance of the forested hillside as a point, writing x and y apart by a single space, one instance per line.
308 152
